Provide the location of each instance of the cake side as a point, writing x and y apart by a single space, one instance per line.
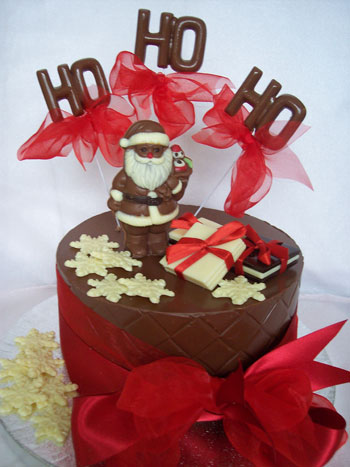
193 324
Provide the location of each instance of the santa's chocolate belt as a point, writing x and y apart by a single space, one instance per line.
143 199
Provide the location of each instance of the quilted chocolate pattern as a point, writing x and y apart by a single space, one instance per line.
219 343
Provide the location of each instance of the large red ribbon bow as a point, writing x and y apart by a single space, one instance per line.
171 94
252 174
270 414
100 126
197 248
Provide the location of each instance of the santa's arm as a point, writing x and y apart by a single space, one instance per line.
116 193
177 187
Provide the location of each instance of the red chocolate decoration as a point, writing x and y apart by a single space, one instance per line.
169 40
266 108
73 87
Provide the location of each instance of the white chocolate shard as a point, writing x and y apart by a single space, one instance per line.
239 290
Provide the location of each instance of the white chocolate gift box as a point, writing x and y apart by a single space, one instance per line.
209 269
176 234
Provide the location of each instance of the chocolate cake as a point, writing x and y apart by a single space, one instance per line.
193 324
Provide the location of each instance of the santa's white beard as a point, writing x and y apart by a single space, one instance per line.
148 173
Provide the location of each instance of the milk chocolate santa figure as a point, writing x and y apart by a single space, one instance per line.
144 193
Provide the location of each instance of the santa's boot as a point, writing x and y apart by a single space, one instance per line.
157 243
136 244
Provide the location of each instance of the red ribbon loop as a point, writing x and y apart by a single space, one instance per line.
184 222
252 174
101 126
172 95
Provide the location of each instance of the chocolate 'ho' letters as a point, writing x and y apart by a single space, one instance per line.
73 87
266 108
169 40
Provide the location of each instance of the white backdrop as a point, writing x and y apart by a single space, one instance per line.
302 44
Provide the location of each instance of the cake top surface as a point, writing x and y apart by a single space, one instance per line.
198 299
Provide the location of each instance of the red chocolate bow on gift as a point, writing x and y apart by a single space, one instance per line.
171 94
270 414
252 174
197 247
185 246
265 250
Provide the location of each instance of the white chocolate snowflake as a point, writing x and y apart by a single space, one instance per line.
38 392
56 391
34 358
30 394
85 264
30 363
53 424
117 259
148 288
21 398
239 290
35 339
108 287
88 244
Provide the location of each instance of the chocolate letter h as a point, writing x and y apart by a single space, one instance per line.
73 87
266 108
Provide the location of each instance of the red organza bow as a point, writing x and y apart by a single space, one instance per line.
270 414
265 250
252 174
101 125
197 247
171 94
